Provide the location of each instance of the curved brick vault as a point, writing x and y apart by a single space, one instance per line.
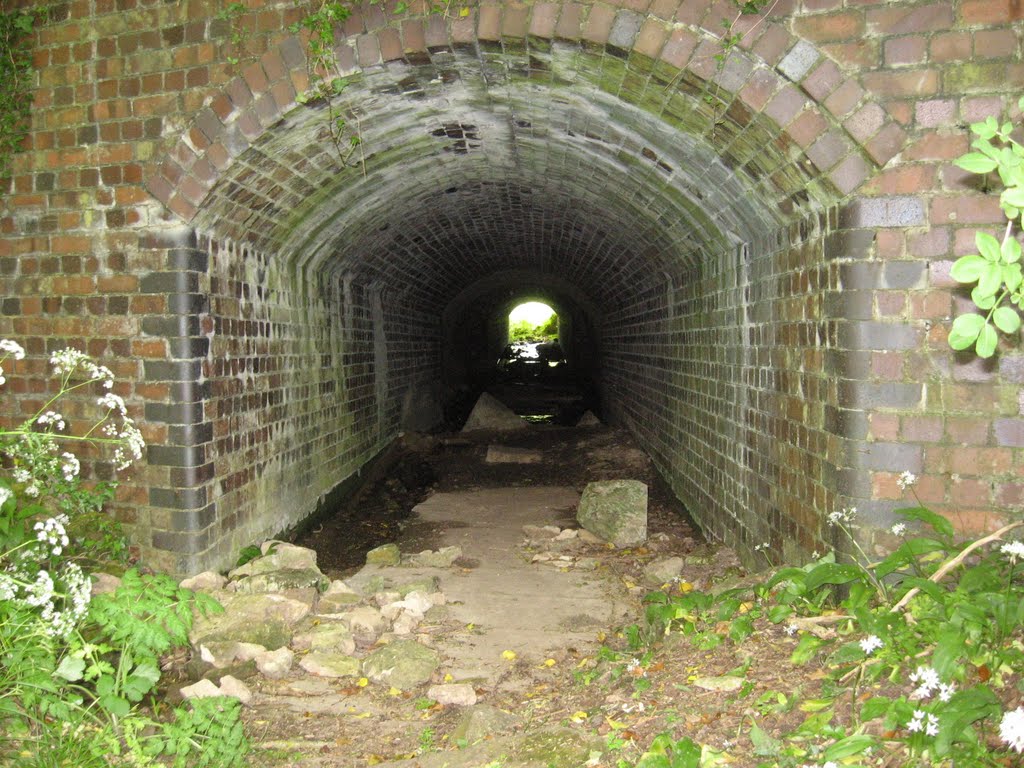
705 231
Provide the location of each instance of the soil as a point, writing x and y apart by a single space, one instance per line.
588 703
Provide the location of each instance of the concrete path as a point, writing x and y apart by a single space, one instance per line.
513 604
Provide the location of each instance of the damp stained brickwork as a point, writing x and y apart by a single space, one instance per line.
759 253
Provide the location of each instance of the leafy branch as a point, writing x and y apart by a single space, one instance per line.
15 81
996 268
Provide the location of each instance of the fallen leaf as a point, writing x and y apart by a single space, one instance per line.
549 663
508 655
579 717
363 682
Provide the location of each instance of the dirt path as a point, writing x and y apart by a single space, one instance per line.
523 617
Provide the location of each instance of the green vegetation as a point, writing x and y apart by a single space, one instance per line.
920 652
996 268
15 81
79 672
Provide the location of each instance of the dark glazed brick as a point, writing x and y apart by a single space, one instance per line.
183 348
169 282
860 394
172 370
179 498
169 326
194 519
175 413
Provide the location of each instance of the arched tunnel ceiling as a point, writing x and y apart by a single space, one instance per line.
471 164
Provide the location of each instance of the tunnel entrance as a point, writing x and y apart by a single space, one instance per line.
686 239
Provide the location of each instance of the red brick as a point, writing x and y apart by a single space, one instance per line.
938 146
994 44
599 23
904 179
844 98
991 11
884 426
544 19
830 27
905 50
860 54
489 25
904 19
570 22
951 46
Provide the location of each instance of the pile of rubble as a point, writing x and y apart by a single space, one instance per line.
282 617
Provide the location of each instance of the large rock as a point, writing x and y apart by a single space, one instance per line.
339 597
490 413
330 665
277 555
454 694
403 664
385 554
266 620
207 580
483 720
275 664
615 510
281 580
664 570
332 637
428 558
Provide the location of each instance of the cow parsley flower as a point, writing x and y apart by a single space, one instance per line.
99 372
1011 729
52 419
899 529
66 361
906 480
9 347
53 533
6 494
870 644
113 402
1013 550
70 466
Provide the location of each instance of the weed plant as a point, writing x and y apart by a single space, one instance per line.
79 673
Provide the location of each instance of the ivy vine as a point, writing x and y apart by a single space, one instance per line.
15 82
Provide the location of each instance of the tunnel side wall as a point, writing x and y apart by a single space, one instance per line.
310 377
723 372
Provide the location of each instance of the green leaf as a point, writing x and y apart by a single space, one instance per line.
964 331
1013 196
115 705
1012 277
1011 250
937 522
967 269
986 129
988 339
874 708
70 669
851 745
976 162
1006 319
984 301
991 279
806 649
764 744
834 573
988 246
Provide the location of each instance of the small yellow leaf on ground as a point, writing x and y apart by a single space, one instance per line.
685 586
579 717
549 663
448 677
509 655
464 12
363 682
394 691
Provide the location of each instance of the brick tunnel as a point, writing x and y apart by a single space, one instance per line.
726 242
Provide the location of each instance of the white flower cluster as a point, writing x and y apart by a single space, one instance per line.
928 682
899 529
113 402
1013 550
1011 729
70 466
870 644
906 480
6 494
842 516
53 533
8 348
52 419
68 361
132 442
924 721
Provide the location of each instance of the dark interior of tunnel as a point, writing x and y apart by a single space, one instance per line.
476 335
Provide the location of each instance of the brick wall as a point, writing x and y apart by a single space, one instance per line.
762 249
